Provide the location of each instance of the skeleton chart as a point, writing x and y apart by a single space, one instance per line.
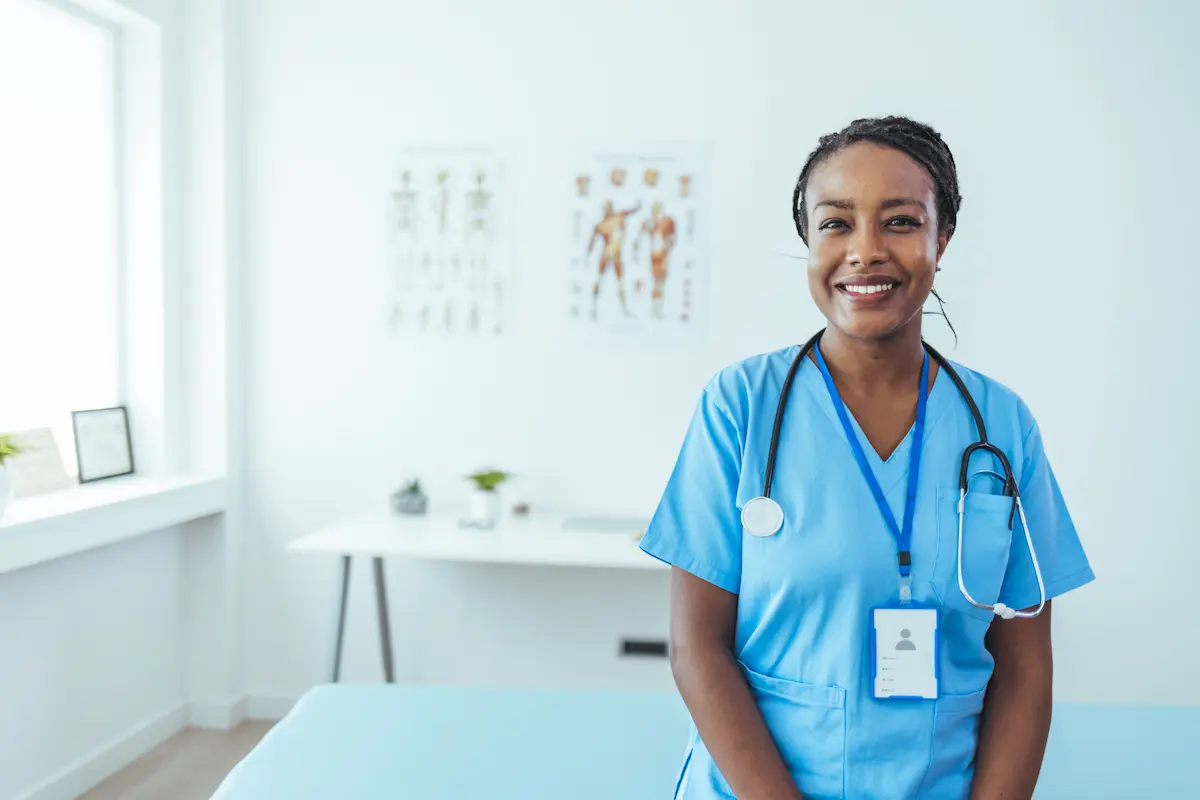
451 271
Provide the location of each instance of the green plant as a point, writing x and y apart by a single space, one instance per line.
9 448
488 480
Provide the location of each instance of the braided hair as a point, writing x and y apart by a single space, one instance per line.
916 140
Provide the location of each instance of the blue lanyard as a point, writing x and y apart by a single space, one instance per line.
903 534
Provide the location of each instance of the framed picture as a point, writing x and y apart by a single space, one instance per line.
103 448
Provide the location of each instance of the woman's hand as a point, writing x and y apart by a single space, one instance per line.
703 621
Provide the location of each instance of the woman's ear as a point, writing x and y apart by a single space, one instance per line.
943 241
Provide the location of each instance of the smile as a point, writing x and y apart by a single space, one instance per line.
874 289
868 287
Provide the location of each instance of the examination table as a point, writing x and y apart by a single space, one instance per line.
400 742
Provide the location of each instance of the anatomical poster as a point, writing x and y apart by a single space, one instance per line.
450 256
637 263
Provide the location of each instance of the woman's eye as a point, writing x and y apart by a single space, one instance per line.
832 223
904 222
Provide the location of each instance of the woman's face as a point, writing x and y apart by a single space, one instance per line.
873 242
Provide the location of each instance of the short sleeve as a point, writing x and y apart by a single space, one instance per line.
696 526
1059 552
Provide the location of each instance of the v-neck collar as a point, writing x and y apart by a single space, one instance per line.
894 469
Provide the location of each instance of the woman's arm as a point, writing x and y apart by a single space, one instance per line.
1016 713
703 621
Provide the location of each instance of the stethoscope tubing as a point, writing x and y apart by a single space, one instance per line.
1000 609
981 445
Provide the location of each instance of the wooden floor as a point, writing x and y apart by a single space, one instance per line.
189 766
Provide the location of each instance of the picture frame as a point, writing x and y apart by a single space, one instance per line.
103 445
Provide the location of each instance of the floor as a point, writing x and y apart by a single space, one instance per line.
189 766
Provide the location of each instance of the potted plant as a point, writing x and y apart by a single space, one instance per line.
483 504
8 449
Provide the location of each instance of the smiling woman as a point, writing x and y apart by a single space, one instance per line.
833 651
906 218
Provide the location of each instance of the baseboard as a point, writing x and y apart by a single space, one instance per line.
264 707
217 716
92 769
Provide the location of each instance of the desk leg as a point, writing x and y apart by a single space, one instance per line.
344 591
385 627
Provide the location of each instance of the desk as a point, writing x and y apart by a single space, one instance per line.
553 541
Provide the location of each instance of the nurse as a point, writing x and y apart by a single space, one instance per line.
775 644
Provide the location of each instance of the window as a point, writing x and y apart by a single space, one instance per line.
60 345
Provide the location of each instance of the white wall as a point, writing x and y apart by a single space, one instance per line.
90 655
1073 127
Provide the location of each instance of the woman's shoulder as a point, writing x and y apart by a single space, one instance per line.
1000 404
737 385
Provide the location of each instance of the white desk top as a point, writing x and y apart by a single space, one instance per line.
538 539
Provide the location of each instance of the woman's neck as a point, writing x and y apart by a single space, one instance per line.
872 365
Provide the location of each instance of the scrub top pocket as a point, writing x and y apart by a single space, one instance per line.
955 736
986 543
808 724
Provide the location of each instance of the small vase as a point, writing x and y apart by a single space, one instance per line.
7 486
483 508
410 501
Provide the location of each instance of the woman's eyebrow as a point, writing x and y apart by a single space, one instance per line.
891 203
901 201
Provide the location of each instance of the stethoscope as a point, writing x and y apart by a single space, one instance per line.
762 516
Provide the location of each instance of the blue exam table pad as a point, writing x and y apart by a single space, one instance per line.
400 742
433 742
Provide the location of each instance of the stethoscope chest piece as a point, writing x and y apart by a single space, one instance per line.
761 517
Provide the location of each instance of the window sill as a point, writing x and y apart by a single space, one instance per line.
39 529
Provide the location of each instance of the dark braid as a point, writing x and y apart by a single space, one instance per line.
918 141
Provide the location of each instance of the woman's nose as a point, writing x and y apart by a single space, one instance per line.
866 247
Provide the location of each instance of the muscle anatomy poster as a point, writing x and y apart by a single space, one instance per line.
450 236
636 261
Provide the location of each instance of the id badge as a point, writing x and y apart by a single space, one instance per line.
904 653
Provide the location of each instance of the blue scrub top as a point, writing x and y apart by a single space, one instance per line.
806 593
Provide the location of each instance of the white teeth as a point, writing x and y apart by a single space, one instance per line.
883 287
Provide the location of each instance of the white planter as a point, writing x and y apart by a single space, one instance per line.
483 508
7 486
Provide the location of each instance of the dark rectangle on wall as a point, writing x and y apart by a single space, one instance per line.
652 648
